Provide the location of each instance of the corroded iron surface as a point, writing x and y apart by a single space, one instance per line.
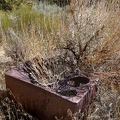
46 102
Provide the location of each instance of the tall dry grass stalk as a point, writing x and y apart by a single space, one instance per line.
30 34
89 35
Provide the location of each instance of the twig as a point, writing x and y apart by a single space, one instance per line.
88 42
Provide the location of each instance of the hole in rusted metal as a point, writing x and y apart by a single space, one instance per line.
36 72
69 86
74 81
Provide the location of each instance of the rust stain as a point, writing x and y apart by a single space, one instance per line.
47 103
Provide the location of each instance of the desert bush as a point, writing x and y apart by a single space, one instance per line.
86 37
26 31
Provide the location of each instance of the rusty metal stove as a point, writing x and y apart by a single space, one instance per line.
46 103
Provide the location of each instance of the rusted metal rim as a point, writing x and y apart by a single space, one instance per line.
40 100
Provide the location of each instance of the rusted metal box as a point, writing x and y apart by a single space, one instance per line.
44 103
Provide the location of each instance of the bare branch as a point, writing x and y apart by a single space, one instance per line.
91 38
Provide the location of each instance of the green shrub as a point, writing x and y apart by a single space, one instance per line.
20 20
10 4
5 20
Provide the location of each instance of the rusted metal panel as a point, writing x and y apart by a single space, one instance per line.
45 103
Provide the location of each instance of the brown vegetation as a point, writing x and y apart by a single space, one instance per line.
87 37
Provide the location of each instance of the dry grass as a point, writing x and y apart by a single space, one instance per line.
87 38
107 103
